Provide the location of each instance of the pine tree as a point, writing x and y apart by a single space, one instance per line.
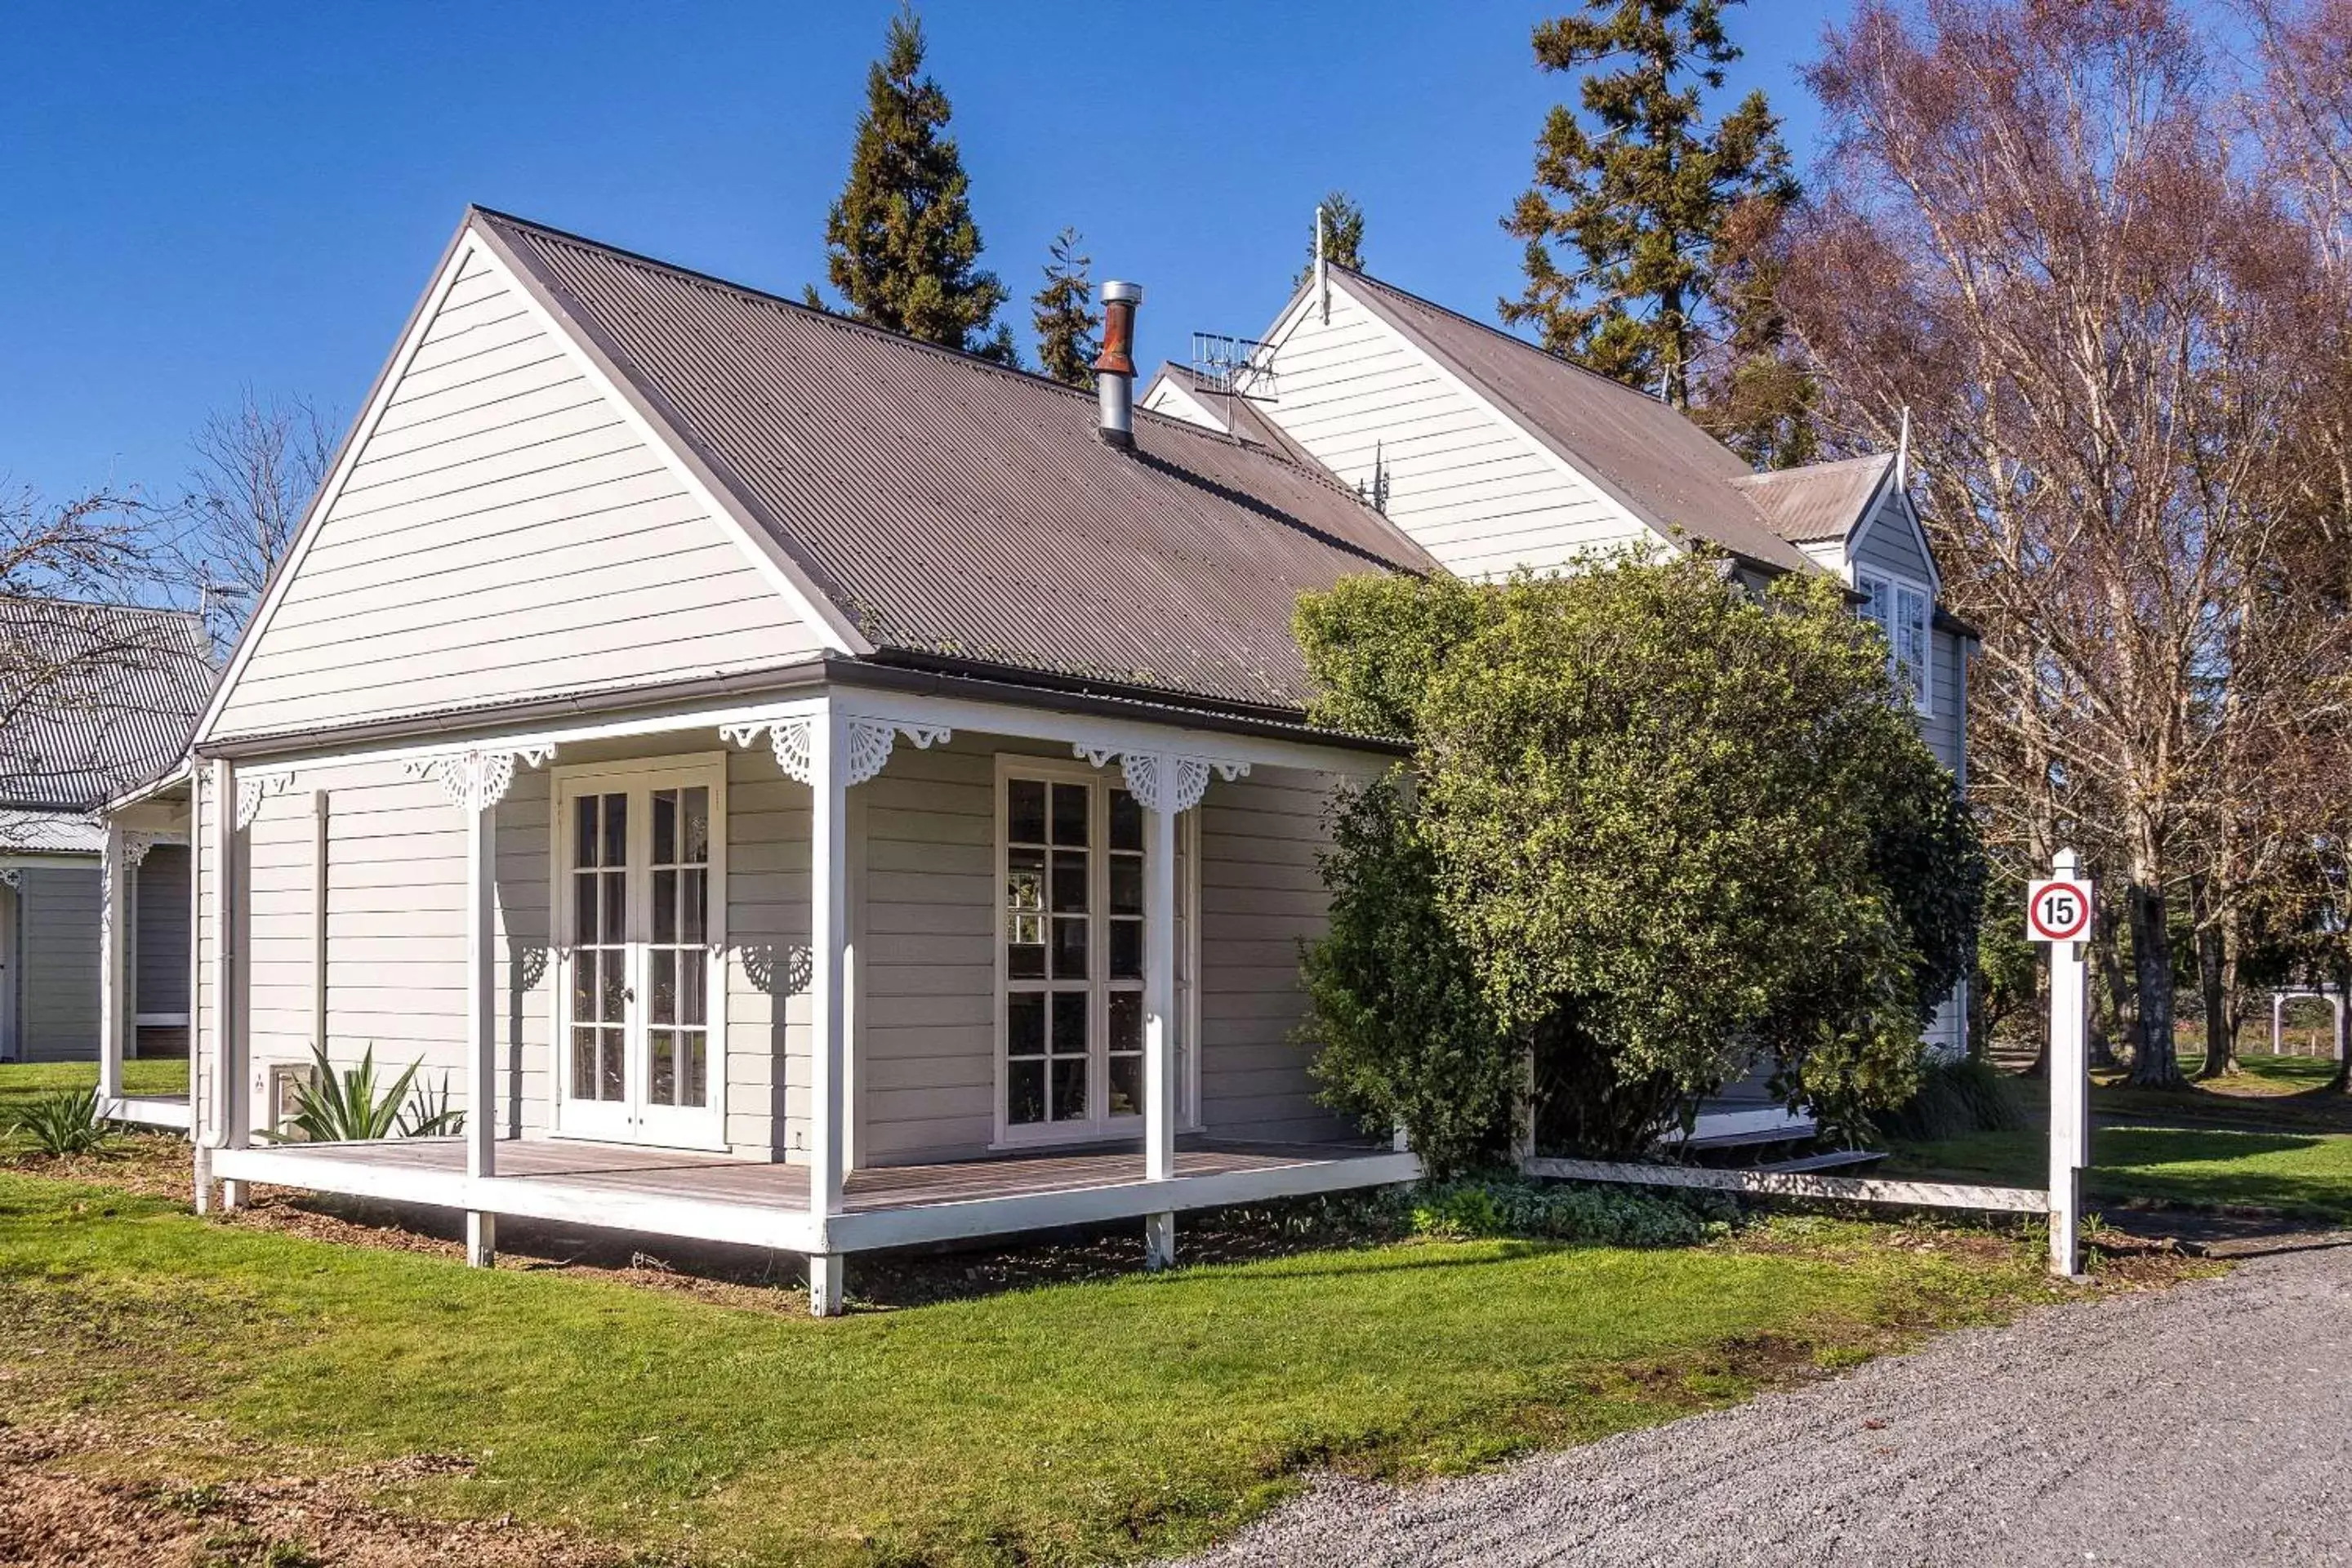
1343 236
1639 203
900 244
1067 324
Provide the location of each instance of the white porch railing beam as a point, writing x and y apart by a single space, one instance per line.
113 929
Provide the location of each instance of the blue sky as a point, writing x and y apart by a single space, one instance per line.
197 199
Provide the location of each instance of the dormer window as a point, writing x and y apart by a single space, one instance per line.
1904 611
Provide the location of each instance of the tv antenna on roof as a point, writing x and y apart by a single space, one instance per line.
1237 367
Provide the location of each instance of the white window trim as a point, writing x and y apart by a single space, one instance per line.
1053 770
1893 581
702 769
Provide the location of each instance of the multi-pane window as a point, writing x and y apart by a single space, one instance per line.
1072 926
599 946
1904 613
679 957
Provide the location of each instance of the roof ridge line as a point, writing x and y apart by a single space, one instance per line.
764 297
1489 327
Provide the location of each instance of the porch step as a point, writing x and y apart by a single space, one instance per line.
1744 1129
1832 1161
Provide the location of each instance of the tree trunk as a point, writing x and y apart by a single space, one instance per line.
2116 1019
2154 1065
2342 1083
2213 984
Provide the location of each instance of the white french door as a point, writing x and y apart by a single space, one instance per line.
640 897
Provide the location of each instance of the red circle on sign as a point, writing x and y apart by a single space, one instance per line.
2058 913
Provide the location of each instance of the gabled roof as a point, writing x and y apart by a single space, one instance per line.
1242 418
1821 502
116 689
955 510
1654 461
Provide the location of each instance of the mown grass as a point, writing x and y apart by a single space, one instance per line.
1067 1424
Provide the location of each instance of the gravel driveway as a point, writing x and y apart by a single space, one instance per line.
2211 1424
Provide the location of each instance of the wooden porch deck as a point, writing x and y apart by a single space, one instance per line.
710 1197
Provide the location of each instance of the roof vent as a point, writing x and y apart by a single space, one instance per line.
1115 366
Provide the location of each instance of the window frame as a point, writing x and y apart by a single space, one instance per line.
647 1123
1097 1126
1889 587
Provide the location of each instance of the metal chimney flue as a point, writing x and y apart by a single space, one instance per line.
1115 366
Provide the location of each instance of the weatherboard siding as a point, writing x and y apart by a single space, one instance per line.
1888 543
1470 487
502 534
1261 898
160 947
57 944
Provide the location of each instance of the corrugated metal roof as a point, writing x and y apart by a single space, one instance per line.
119 691
50 833
1821 502
1663 467
950 506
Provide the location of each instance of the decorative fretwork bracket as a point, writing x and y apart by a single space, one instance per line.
11 876
869 741
252 789
477 780
136 845
1178 788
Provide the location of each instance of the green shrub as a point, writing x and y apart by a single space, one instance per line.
65 1121
1956 1099
345 1106
1592 1215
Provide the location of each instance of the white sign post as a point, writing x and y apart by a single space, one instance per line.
2058 912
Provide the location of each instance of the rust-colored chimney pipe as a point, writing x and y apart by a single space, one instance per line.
1115 366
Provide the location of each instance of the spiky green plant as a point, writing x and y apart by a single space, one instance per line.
345 1106
65 1123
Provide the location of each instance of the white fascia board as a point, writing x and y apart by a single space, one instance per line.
1188 409
474 243
1869 519
646 423
1501 415
462 246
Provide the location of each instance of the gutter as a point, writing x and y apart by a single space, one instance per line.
921 674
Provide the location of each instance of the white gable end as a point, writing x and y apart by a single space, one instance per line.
1466 482
502 528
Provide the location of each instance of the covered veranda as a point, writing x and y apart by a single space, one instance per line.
832 736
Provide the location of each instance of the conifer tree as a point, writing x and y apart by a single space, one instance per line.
1065 318
900 244
1625 217
1343 236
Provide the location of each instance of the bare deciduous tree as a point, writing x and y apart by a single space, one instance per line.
2041 243
68 659
258 467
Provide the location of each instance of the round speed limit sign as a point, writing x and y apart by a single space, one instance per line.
2058 911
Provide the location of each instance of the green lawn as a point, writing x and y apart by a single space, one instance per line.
22 1081
1069 1423
2309 1174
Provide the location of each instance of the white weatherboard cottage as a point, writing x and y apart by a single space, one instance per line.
800 786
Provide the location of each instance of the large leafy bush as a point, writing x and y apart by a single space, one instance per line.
1661 829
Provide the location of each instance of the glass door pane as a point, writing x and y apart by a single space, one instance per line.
679 957
599 994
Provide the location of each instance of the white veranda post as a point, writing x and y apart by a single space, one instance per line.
833 752
475 782
112 945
